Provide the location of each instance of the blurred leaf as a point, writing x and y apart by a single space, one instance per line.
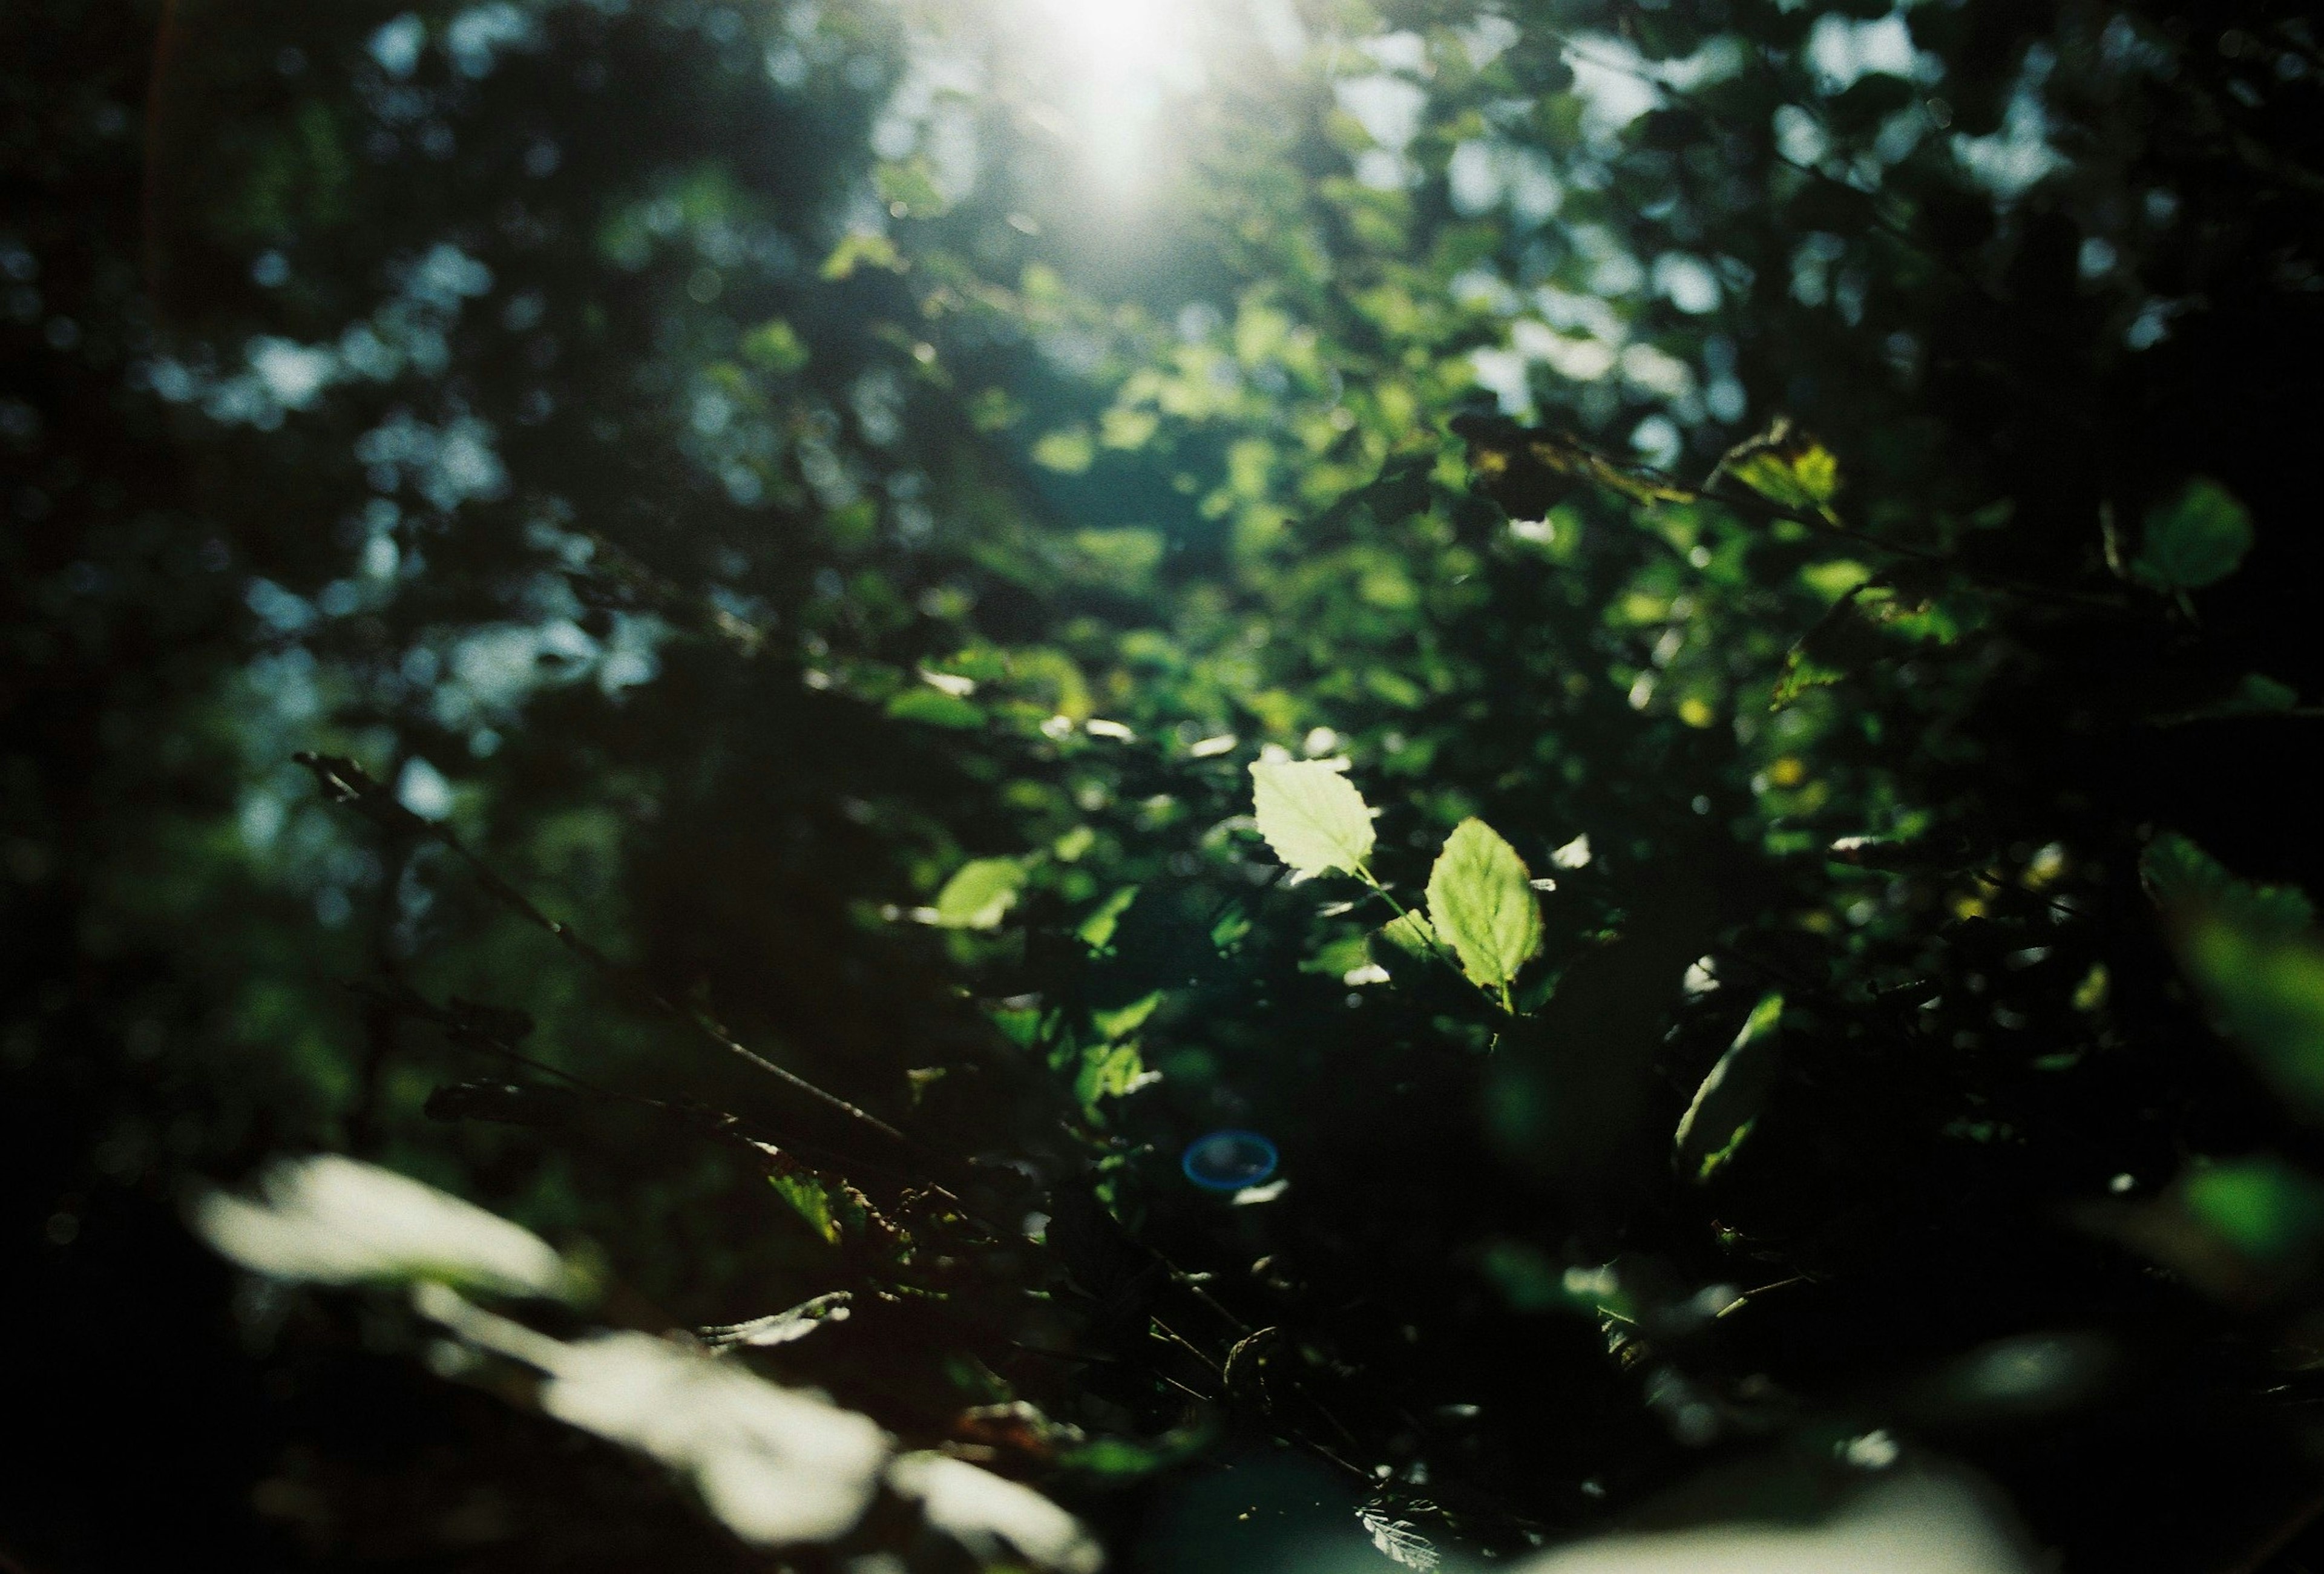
1481 899
936 708
2266 984
980 893
2262 1207
1124 1020
1527 471
1096 931
335 1220
2196 539
991 1516
781 1328
775 346
1311 814
862 249
1068 451
778 1466
2182 876
1109 1071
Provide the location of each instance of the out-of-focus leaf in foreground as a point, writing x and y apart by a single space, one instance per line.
988 1515
335 1220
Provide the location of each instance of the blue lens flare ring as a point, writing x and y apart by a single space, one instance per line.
1227 1161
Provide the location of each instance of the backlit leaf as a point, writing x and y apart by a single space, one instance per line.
1481 899
981 891
1724 1106
1311 814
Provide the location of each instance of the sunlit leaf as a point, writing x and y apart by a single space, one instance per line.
991 1516
776 346
1787 467
1096 931
936 708
1311 814
862 249
776 1465
1721 1113
335 1220
1480 900
1410 935
809 1199
981 891
1124 1020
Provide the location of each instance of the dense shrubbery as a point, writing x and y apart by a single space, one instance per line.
1751 557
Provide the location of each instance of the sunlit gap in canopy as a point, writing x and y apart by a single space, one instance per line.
1113 69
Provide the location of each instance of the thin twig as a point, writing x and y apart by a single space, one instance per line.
348 782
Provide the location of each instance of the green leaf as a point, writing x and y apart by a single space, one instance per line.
2198 539
775 345
2262 1207
808 1197
2266 984
1411 934
1096 931
859 249
1311 815
2183 877
1481 899
980 893
935 709
1787 467
1109 1071
1124 1020
1727 1104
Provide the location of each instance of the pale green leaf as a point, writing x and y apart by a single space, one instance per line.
1481 899
1311 814
980 893
1411 934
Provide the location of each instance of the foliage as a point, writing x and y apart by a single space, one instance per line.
862 693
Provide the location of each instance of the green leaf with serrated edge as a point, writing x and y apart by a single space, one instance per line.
980 893
2182 876
1311 814
2197 538
1480 900
1411 934
1727 1103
